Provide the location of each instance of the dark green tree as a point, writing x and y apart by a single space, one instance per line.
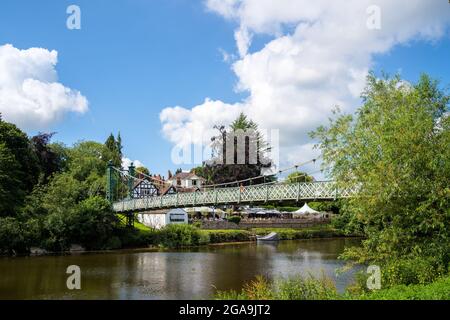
249 152
19 167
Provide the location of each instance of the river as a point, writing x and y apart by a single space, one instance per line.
182 274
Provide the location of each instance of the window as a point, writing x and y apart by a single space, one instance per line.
194 182
178 182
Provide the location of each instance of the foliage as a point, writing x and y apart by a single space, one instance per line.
222 236
49 160
12 236
437 290
326 206
19 170
305 233
294 288
234 219
143 170
309 288
244 163
113 150
299 176
181 235
395 151
12 190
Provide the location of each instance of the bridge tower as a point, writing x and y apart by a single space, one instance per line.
110 182
131 173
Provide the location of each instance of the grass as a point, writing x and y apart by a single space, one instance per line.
294 288
309 288
189 235
323 231
437 290
222 236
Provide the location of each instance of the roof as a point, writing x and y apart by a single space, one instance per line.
305 210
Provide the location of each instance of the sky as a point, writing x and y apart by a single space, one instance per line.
164 72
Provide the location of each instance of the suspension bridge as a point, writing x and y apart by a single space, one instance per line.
122 184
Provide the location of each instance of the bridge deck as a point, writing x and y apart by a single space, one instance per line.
323 190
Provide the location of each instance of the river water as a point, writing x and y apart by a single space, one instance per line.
185 274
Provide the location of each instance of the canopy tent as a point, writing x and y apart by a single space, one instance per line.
204 210
305 210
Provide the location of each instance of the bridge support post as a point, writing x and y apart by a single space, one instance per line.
131 172
130 220
109 182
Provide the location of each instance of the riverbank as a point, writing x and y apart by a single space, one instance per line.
308 288
175 236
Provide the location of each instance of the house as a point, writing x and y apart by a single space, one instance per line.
161 218
187 180
145 188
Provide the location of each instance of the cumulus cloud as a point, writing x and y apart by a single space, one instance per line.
318 57
30 94
127 162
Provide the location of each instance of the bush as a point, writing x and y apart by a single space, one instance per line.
133 238
419 270
234 219
298 288
438 290
296 234
180 235
12 236
220 236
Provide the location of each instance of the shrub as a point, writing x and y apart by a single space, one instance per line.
219 236
298 288
179 235
438 290
418 270
234 219
12 236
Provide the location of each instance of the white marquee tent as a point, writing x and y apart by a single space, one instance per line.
305 210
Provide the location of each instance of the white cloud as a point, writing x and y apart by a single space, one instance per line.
127 162
30 94
318 57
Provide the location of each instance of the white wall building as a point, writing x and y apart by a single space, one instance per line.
186 180
161 218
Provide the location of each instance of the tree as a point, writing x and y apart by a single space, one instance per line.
395 151
299 176
12 191
19 168
49 161
113 150
249 151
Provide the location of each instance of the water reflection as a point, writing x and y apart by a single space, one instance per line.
186 274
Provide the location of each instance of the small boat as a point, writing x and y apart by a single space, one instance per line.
273 236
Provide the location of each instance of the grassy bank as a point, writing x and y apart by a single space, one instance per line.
300 288
175 236
322 231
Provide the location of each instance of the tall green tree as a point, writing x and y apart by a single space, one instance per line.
220 170
395 151
113 150
19 167
299 176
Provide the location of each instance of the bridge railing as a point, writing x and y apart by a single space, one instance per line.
235 195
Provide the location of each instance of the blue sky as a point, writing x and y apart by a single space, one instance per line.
133 58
